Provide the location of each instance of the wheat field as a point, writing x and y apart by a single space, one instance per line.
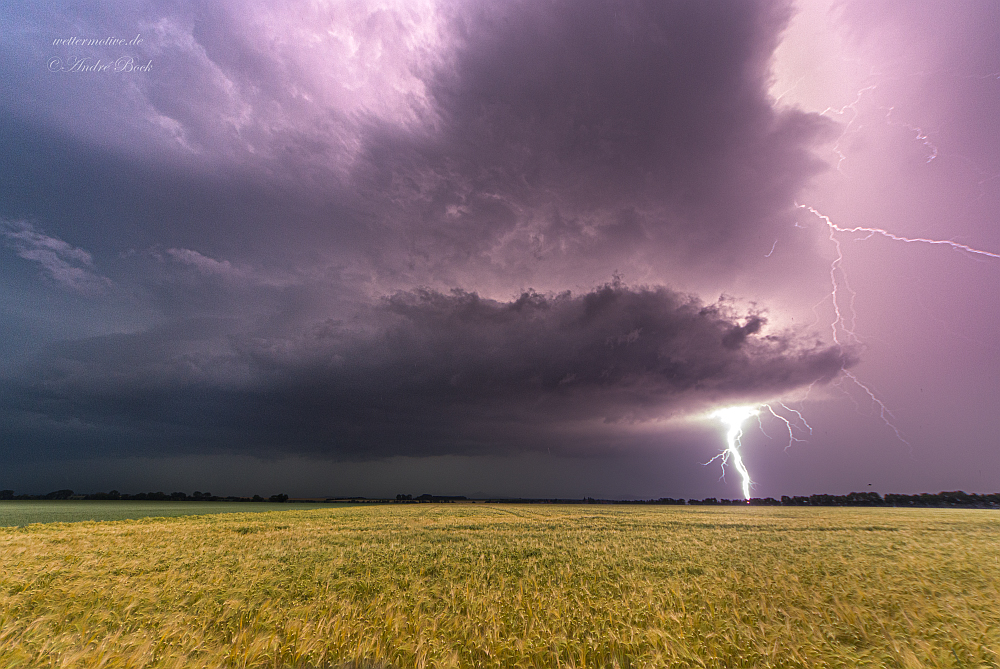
476 585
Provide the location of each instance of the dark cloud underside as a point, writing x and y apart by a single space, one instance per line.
433 373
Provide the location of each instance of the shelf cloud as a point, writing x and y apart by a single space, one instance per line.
436 373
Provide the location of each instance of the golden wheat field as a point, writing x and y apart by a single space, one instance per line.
476 585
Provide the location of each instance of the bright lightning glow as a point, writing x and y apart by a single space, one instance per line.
866 106
733 418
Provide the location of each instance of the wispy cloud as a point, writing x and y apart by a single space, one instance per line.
223 269
204 264
67 265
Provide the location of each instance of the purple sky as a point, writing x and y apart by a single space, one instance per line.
499 248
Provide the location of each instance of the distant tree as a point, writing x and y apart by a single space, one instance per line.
278 498
257 498
6 494
59 494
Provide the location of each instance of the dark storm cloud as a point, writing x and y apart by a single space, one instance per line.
452 143
595 130
260 192
425 373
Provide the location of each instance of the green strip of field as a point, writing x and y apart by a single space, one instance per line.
25 512
507 587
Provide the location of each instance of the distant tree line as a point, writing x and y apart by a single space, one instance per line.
942 499
957 499
197 496
425 498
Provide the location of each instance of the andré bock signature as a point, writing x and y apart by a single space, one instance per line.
125 64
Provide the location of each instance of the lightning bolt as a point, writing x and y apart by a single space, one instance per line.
788 424
842 295
871 232
918 134
844 321
733 418
849 110
842 325
842 328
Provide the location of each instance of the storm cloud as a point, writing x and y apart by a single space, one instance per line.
431 373
367 230
636 133
489 146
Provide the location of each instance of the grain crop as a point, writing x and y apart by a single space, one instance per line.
477 585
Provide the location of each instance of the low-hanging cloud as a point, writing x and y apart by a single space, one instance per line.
428 372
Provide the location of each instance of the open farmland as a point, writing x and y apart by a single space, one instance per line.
507 586
26 512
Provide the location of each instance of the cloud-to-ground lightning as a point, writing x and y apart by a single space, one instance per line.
870 109
733 418
842 327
